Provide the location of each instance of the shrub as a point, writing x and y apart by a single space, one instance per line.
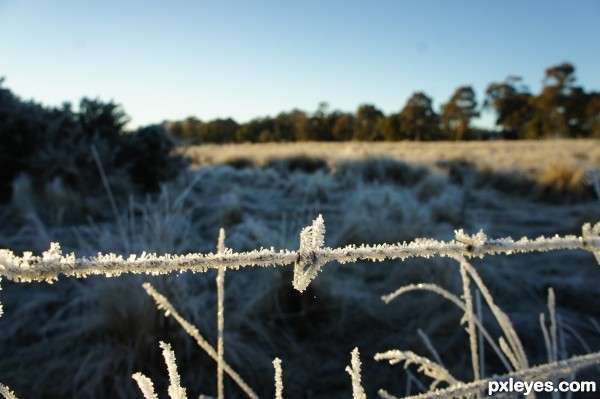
57 146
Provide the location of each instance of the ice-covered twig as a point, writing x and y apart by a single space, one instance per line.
164 304
6 392
514 348
278 378
431 369
358 391
175 390
146 386
220 317
308 260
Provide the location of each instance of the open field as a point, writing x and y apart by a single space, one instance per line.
522 156
84 338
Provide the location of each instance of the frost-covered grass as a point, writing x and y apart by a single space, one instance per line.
93 334
522 156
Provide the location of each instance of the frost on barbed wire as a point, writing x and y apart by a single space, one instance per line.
592 235
308 260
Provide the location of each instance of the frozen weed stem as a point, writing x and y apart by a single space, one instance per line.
358 391
6 392
278 378
175 390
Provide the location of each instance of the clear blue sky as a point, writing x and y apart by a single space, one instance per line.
244 59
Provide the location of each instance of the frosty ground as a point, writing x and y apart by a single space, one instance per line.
85 338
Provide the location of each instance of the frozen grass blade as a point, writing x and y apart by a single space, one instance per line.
517 353
480 334
454 299
278 378
146 386
429 346
175 390
553 325
6 392
220 318
111 197
358 391
438 373
163 304
469 318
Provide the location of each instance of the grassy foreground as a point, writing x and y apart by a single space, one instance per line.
86 338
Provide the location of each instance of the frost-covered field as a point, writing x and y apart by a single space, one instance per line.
85 338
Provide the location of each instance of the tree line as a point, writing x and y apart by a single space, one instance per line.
561 109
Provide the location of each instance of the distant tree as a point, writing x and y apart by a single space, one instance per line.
300 125
592 115
257 130
320 123
560 102
101 119
389 128
513 106
284 130
458 112
561 76
575 106
218 131
418 120
365 124
187 130
343 127
175 129
191 129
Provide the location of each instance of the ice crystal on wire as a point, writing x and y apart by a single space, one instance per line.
590 234
309 260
